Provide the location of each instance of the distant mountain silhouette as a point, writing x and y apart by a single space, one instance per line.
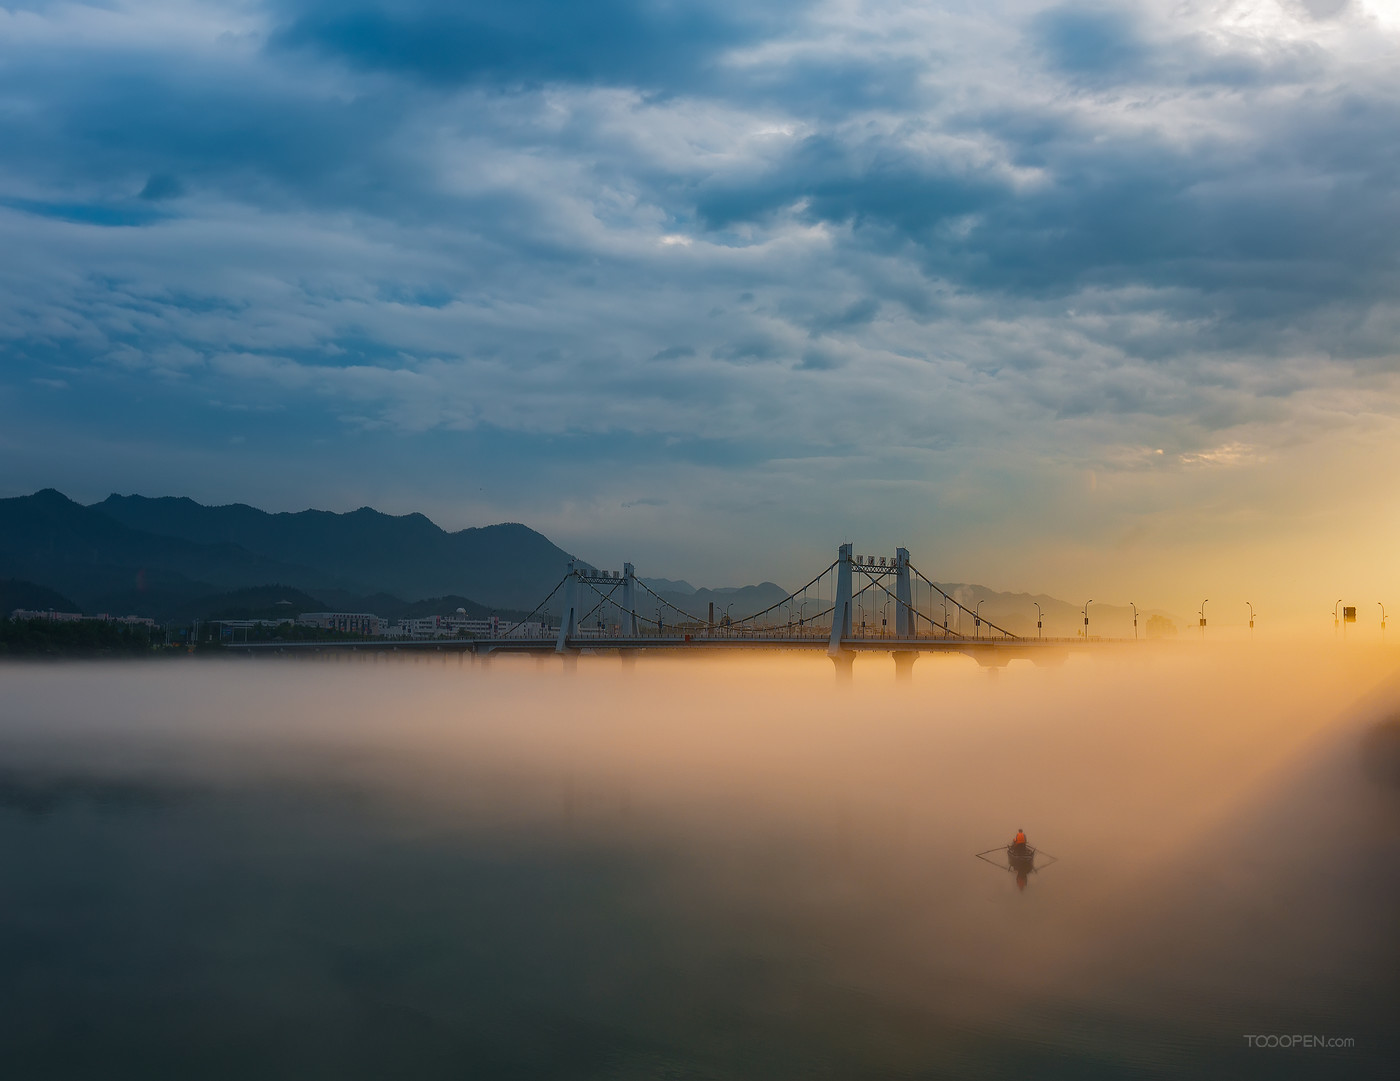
15 593
680 588
105 565
738 601
365 551
175 559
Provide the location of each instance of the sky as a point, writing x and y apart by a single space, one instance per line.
1091 299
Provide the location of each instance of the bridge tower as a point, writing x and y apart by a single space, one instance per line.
841 615
903 595
629 601
568 620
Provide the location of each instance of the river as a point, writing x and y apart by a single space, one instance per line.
713 869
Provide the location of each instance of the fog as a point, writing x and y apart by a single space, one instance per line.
700 868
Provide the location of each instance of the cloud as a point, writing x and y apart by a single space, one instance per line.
1092 41
629 42
931 242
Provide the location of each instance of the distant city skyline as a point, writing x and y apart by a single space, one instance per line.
1082 299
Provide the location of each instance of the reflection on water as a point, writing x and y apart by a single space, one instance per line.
265 869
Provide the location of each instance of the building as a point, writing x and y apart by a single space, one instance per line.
78 617
366 623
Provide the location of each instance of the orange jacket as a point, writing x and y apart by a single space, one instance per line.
1020 838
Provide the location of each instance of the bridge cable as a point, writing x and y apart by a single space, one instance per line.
606 598
960 605
536 609
933 624
790 597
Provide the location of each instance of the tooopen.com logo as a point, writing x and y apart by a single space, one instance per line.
1301 1041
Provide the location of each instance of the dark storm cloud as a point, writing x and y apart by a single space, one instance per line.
654 43
1093 41
1295 218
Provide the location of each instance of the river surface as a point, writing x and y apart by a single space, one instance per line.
729 869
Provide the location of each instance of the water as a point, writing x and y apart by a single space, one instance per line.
730 869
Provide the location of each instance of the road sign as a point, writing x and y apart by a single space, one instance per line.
1349 614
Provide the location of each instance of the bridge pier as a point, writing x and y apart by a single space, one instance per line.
904 664
629 658
845 665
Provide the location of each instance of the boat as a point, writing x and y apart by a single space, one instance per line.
1018 858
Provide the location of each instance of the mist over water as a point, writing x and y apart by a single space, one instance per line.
727 868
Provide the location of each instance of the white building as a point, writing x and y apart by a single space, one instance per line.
76 617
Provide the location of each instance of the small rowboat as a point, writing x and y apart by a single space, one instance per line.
1020 858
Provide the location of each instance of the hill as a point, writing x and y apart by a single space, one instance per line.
738 601
363 551
105 565
15 593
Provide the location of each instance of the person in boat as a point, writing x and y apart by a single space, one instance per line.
1020 839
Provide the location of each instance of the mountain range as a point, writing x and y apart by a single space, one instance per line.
176 560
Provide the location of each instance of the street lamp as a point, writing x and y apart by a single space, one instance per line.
1336 619
977 619
945 612
1086 617
1134 607
1202 613
1382 621
1038 621
1251 620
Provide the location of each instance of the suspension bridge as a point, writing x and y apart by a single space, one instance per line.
844 611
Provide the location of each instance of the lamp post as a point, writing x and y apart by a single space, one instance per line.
1038 621
1251 621
977 619
1382 621
1134 608
945 612
1202 613
1086 617
1336 619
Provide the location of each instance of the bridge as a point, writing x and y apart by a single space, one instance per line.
603 611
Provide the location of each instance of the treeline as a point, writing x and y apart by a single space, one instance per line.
82 638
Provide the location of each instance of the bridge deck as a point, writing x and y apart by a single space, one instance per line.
688 643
